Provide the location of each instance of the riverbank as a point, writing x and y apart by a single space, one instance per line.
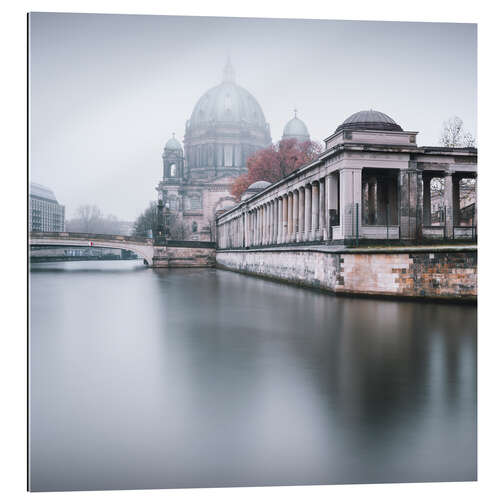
430 272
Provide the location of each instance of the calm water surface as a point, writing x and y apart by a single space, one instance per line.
200 378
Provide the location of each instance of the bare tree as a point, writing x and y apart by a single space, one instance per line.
89 219
177 229
146 222
453 134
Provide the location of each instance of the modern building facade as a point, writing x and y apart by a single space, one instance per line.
371 183
44 213
226 127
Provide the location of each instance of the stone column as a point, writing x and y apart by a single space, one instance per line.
408 196
262 224
259 221
295 217
321 209
456 200
255 226
307 212
315 211
426 200
266 224
280 220
249 240
448 204
332 201
273 210
290 216
276 219
284 234
301 215
350 196
269 222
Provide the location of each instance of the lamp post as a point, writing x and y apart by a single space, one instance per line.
160 234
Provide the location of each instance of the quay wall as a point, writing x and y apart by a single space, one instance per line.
415 273
187 255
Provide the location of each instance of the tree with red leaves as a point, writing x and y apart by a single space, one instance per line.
275 162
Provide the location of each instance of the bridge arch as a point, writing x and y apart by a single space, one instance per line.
140 246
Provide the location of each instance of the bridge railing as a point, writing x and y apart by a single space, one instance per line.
90 236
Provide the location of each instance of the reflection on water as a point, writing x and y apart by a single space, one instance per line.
199 378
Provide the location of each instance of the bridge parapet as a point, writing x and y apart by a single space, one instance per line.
90 236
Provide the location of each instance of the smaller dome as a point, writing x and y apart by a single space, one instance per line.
369 120
296 129
254 189
173 143
259 185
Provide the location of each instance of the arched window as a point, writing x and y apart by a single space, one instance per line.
173 170
194 227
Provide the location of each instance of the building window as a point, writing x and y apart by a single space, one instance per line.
172 203
228 156
173 170
195 202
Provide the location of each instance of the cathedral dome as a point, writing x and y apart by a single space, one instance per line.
173 144
296 129
369 120
227 102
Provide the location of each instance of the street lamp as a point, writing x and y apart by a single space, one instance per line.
160 236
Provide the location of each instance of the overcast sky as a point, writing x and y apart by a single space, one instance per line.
107 91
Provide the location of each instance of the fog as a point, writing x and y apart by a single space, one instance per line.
107 91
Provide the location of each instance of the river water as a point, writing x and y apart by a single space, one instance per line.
144 378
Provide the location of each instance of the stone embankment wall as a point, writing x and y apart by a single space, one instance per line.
184 256
435 273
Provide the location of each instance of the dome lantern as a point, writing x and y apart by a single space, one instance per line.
173 143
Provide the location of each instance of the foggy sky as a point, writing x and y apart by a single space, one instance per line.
107 91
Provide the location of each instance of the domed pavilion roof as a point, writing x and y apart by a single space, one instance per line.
255 188
227 102
296 129
369 120
173 143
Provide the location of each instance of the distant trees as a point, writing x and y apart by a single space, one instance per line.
275 162
146 224
90 219
453 134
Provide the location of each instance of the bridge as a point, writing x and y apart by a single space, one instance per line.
140 246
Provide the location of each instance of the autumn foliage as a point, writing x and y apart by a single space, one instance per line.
275 162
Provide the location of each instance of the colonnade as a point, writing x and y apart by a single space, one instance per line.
324 207
293 216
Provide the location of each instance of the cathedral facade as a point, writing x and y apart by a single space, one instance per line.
226 127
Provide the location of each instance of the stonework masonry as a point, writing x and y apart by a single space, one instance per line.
176 256
445 273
